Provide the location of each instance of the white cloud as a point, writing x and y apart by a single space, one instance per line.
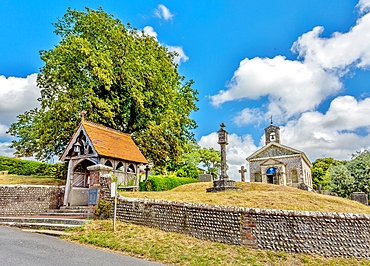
248 116
292 87
17 96
163 12
181 56
338 52
5 150
3 135
333 134
363 5
148 30
238 149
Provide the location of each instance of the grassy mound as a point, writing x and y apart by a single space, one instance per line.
256 195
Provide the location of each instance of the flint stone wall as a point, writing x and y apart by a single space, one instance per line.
22 200
327 234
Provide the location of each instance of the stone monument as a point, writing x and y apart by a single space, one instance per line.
223 184
242 173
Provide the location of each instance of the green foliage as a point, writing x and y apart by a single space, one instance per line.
359 167
342 182
354 176
122 78
211 159
188 171
186 166
162 183
103 209
27 167
320 172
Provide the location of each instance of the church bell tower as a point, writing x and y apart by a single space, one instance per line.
272 134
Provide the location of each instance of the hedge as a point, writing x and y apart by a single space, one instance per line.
32 168
162 183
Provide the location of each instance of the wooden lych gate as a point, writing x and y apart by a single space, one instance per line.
92 145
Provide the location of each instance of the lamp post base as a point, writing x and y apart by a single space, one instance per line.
223 185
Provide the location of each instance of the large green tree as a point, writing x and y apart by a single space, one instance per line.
123 78
353 176
320 171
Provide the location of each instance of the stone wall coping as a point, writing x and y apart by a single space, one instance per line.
288 213
25 186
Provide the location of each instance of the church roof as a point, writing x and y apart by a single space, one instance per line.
108 142
277 150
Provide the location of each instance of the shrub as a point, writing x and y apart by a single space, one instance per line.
33 168
103 209
162 183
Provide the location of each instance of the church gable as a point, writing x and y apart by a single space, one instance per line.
79 145
273 150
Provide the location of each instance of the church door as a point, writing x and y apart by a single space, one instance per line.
271 174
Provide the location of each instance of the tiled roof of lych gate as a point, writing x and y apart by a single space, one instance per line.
113 143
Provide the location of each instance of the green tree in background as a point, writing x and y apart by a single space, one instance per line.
122 78
342 182
353 176
211 159
359 167
188 165
320 172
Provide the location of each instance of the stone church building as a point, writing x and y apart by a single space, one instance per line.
279 164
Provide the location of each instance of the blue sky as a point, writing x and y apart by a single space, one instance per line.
304 62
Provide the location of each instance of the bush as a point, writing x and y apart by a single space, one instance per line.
33 168
103 209
162 183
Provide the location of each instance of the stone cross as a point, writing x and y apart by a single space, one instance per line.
242 171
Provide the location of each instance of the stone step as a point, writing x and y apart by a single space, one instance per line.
58 224
75 215
69 211
81 211
75 208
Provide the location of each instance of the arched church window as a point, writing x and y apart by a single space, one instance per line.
120 167
108 163
294 176
257 177
131 169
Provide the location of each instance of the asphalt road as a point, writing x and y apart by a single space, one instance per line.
18 248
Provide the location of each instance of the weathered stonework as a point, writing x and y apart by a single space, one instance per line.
21 200
361 197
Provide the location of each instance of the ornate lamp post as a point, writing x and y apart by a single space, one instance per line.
223 141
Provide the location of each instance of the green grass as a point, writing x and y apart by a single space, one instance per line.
177 249
256 195
30 180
